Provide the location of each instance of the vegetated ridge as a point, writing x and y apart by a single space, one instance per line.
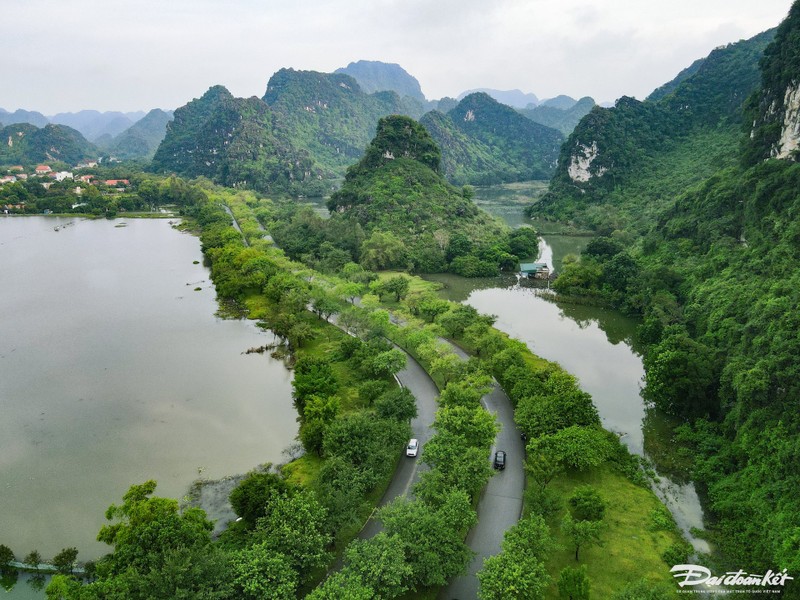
485 142
713 272
622 164
26 144
141 139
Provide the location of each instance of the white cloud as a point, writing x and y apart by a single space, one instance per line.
128 55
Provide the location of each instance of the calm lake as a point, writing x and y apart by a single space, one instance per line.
114 369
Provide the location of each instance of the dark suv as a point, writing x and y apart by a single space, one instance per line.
500 460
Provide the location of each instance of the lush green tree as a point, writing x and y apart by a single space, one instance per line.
433 539
295 527
323 304
312 377
573 583
146 527
459 317
524 242
383 250
475 425
530 535
587 504
506 575
455 463
63 587
344 585
583 534
380 563
543 465
681 376
350 290
65 560
399 286
574 447
548 413
259 571
447 367
385 364
252 497
466 391
398 404
6 556
33 558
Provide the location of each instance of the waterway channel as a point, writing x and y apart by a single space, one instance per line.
114 369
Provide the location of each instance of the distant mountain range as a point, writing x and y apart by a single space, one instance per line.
309 127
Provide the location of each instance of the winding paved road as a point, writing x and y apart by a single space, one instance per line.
408 470
500 505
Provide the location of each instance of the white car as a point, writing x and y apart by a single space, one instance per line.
413 447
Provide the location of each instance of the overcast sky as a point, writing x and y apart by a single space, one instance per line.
67 55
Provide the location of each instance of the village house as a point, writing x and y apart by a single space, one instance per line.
42 169
534 270
7 179
61 175
19 168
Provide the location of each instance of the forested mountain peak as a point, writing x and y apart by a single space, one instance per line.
376 76
312 83
401 137
775 111
397 196
25 143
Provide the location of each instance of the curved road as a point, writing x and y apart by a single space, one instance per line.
419 383
500 504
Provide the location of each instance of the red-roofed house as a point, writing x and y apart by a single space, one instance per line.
16 168
117 182
42 169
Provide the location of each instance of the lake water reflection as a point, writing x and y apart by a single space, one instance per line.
114 370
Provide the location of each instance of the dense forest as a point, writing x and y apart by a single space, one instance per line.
710 263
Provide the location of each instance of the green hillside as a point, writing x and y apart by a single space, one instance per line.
142 138
713 273
485 142
26 144
396 190
560 115
611 148
329 115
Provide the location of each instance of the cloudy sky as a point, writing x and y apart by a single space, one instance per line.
67 55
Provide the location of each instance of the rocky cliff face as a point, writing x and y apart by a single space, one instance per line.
789 140
774 111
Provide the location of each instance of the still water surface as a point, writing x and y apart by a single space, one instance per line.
114 370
